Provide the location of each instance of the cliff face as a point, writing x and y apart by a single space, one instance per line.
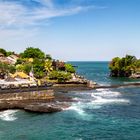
43 101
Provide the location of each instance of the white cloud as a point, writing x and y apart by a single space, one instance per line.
47 3
13 14
10 13
19 21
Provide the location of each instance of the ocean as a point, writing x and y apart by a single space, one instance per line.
102 114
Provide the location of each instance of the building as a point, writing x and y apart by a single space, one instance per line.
13 58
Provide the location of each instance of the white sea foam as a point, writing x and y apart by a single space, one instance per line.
80 113
101 89
96 100
100 101
77 99
107 97
77 109
106 94
8 115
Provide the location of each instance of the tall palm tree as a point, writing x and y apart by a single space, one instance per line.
48 66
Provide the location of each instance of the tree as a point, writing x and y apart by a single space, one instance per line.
3 51
33 53
27 68
123 67
39 68
69 68
48 66
114 66
20 61
9 53
137 63
20 68
48 57
5 69
12 69
63 77
60 76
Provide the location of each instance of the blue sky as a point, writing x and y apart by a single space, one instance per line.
88 30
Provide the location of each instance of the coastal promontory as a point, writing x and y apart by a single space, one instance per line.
31 80
128 66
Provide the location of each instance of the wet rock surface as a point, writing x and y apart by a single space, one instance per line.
46 107
34 103
54 99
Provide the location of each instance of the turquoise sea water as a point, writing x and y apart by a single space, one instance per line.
103 114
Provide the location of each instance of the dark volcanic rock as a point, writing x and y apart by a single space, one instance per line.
39 106
34 102
46 107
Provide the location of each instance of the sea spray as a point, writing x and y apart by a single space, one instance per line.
79 111
8 115
106 96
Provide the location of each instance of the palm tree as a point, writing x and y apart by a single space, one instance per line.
48 66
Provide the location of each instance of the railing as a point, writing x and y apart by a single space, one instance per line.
28 88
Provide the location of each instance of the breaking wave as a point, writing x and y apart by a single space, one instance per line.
8 115
77 109
106 96
96 100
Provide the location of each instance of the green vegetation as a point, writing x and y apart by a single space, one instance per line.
9 53
40 64
33 53
39 68
69 68
3 51
60 76
48 66
124 67
27 68
48 57
5 69
6 53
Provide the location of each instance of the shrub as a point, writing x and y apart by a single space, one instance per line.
124 67
69 68
60 76
3 51
33 53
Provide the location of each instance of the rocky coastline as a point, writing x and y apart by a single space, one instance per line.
48 100
43 98
37 101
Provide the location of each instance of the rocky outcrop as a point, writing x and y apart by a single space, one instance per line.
135 76
76 83
47 101
33 106
46 107
42 102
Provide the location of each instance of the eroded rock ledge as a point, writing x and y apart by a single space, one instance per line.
42 102
46 101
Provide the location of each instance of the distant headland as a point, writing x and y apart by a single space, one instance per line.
128 66
29 81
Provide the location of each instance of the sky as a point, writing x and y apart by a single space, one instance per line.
72 30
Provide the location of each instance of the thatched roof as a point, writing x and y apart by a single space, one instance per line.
20 75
